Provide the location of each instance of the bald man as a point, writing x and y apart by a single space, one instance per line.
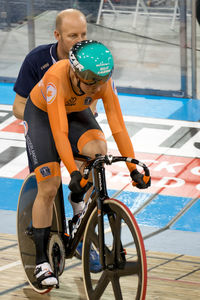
71 27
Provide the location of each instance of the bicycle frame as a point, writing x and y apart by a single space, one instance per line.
99 194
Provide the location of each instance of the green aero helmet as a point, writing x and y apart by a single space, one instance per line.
91 61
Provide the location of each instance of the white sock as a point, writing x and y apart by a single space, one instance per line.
77 207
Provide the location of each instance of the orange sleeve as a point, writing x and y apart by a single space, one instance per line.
58 122
117 125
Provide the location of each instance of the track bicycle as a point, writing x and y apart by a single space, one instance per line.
106 224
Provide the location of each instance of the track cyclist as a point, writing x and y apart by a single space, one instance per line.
58 123
70 28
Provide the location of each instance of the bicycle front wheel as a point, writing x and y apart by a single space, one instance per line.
125 272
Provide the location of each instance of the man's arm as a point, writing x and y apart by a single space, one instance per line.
19 106
27 78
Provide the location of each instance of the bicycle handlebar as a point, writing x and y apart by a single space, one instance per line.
108 160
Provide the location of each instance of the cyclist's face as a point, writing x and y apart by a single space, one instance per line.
91 88
71 31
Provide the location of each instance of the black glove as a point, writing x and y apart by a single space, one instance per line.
74 184
138 178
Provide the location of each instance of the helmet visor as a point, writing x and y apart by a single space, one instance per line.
90 78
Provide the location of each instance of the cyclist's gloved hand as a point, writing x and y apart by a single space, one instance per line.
138 180
74 184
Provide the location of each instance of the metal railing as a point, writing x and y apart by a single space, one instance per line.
137 32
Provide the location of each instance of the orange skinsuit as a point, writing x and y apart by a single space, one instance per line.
54 95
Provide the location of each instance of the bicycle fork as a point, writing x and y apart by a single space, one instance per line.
101 192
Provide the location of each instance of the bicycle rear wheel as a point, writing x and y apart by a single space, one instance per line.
24 218
125 274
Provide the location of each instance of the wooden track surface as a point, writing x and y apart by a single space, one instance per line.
170 276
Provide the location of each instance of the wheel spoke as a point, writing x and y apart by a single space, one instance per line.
101 285
116 287
115 225
94 238
117 240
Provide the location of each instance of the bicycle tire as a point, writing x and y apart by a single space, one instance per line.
26 245
113 281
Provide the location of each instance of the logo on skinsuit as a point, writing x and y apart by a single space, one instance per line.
51 92
88 101
45 171
71 101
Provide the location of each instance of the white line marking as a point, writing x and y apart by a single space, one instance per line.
13 264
